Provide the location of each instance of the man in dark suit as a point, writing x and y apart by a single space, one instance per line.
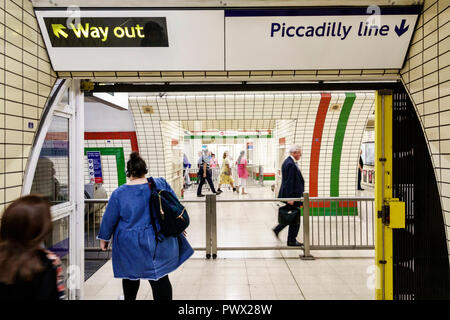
360 169
205 174
292 186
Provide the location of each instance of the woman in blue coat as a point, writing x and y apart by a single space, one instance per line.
135 254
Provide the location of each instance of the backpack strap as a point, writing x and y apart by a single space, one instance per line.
152 218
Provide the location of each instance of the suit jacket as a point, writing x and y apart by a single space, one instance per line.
292 183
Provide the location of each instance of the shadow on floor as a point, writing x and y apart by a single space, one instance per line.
94 261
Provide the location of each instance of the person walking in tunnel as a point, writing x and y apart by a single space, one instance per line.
204 174
360 169
213 161
214 164
225 175
136 254
27 270
292 186
186 167
242 171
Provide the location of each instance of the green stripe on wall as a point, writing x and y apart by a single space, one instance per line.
120 161
338 142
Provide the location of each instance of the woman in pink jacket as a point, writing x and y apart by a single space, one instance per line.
242 171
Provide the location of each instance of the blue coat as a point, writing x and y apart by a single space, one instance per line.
292 183
135 254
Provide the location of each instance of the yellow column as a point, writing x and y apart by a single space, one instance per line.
383 193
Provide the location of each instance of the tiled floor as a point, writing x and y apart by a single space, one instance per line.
252 275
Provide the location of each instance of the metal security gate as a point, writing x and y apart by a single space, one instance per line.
420 258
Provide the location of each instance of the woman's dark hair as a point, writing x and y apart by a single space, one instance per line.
136 166
24 226
225 154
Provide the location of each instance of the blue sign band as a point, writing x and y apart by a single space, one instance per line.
326 11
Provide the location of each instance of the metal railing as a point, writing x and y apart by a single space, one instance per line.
328 223
93 215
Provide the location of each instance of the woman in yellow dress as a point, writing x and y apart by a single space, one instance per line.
225 174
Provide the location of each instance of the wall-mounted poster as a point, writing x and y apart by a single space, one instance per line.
369 153
95 167
364 175
370 176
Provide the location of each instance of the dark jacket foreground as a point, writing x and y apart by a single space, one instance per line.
292 183
46 285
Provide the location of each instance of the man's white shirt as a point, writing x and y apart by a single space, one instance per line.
295 161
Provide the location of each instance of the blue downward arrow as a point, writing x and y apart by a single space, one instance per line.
401 30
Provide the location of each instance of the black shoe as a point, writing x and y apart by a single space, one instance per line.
218 192
361 189
200 195
276 233
295 244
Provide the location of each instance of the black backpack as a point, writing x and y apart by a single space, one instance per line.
171 214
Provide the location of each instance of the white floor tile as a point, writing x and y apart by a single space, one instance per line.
257 274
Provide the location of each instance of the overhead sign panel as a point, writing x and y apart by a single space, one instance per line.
108 32
226 40
318 38
133 40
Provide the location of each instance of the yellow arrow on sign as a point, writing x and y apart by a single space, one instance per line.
58 30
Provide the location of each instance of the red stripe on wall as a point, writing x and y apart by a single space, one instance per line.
327 204
131 135
315 145
57 136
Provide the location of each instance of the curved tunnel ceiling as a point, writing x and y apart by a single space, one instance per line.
233 111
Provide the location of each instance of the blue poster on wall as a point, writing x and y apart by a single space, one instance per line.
95 167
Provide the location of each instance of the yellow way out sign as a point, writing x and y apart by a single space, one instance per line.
86 31
108 32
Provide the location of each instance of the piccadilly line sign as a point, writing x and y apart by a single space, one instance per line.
230 39
334 29
108 32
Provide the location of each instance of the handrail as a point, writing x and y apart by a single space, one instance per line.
260 199
107 200
341 232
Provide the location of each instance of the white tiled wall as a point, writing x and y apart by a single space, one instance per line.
26 78
149 136
426 76
284 129
173 154
362 107
264 153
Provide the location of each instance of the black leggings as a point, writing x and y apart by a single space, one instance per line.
162 289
